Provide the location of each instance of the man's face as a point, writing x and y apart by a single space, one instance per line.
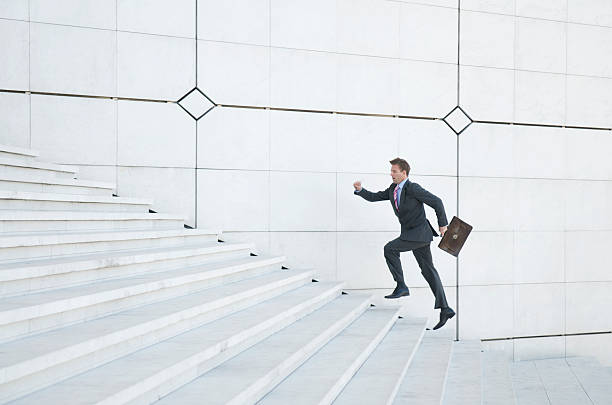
397 174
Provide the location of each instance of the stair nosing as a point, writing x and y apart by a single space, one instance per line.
390 316
149 324
226 342
71 198
38 165
33 311
419 323
298 355
44 239
60 182
61 215
90 261
431 342
18 150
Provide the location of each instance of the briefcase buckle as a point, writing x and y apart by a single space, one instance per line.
454 239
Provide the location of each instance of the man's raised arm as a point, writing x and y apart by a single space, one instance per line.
368 195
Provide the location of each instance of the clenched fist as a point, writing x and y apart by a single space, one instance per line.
443 230
357 185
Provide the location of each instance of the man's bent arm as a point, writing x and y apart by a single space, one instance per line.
433 201
373 197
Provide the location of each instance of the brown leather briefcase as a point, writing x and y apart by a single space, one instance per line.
455 236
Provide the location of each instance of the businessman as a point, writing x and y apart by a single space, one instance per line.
407 201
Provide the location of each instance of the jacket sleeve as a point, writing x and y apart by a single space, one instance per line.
372 197
433 201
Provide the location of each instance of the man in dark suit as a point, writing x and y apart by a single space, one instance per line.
407 200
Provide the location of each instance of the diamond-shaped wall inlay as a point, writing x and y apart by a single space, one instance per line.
196 103
457 120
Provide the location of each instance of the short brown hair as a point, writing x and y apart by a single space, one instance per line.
403 165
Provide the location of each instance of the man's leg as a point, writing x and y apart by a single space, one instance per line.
392 256
425 261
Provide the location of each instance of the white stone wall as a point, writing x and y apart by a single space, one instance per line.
316 94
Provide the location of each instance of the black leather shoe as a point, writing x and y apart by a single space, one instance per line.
394 292
445 315
399 292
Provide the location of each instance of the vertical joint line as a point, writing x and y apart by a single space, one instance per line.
195 164
565 207
29 78
457 168
196 43
457 259
116 99
458 47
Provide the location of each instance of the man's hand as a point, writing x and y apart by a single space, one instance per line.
357 185
443 230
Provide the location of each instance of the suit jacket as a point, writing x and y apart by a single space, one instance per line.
411 213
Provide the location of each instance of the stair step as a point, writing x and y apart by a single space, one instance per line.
378 380
527 385
561 385
496 378
23 200
54 244
63 186
25 167
424 381
44 221
593 378
247 377
18 276
464 379
27 314
324 375
16 151
150 373
33 362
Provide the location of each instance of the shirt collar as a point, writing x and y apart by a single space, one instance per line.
401 185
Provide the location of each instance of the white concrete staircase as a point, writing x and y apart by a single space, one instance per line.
103 302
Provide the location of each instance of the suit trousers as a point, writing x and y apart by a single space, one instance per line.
422 254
